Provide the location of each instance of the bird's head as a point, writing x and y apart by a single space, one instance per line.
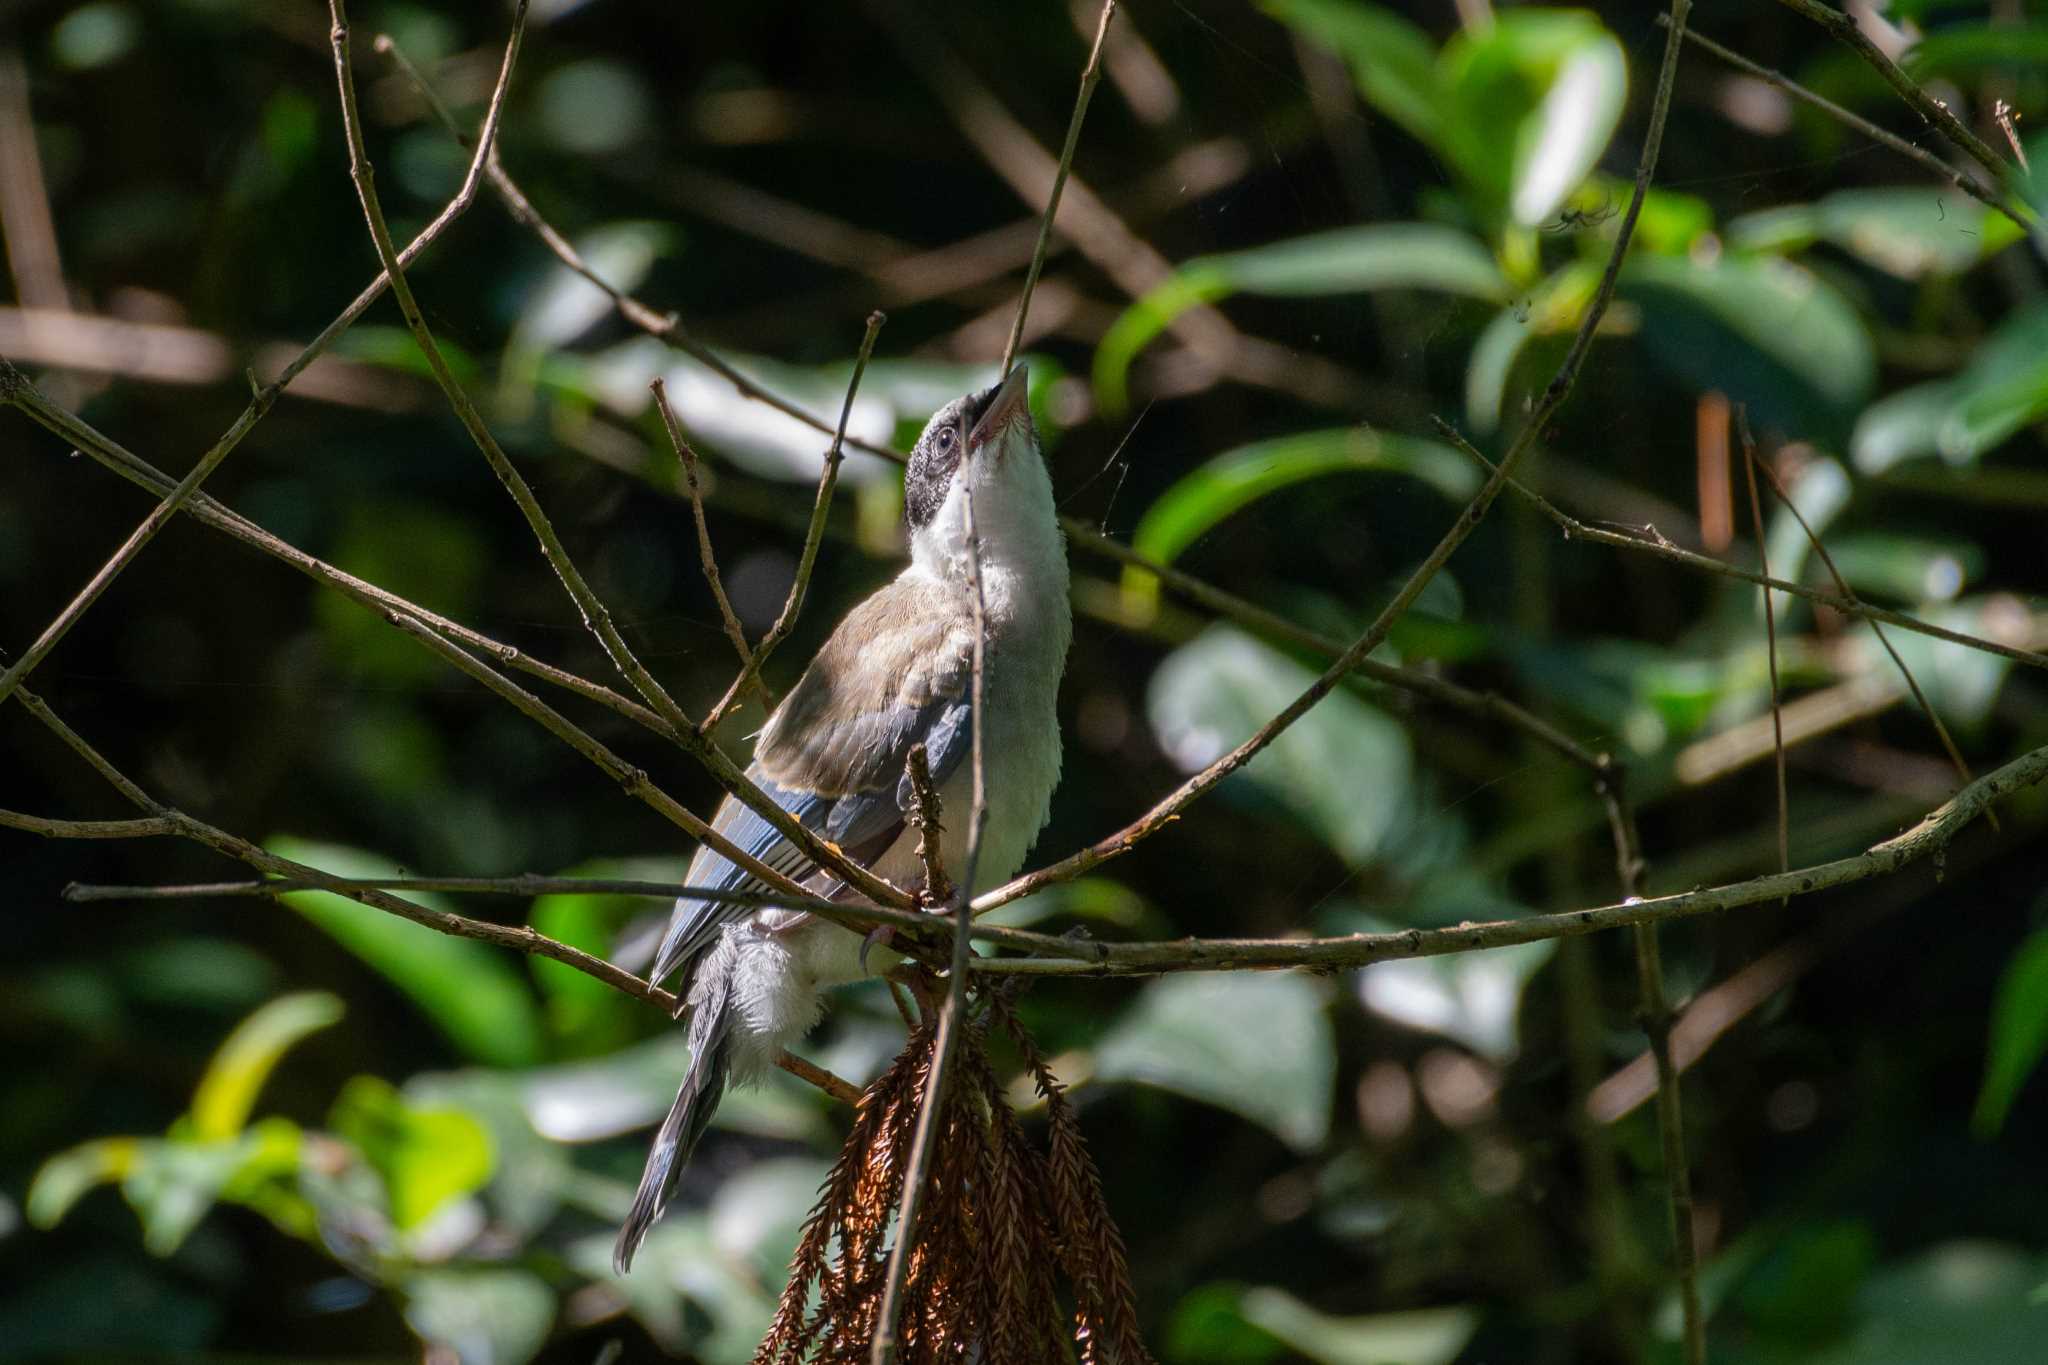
982 444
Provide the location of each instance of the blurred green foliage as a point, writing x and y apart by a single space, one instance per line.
1409 207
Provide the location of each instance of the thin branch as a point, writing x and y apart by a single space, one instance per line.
1763 562
1967 184
686 456
953 1012
1553 398
1948 743
926 813
814 535
148 827
595 615
1850 34
1090 75
1928 837
1574 529
259 405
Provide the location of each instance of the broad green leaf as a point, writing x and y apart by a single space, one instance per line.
425 1156
1343 768
486 1317
1208 1327
1257 1044
2004 387
1960 682
1969 51
1393 61
1474 998
1342 261
1804 1288
1907 232
176 1180
1553 307
1533 99
1229 482
2019 1032
1426 1336
1820 491
1973 1302
473 994
1762 330
585 1016
757 1215
227 1092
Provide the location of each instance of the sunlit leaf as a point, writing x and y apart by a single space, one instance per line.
1343 261
2004 387
1228 482
1533 98
1428 1336
425 1156
244 1061
1762 330
1554 306
486 1317
1906 568
2019 1032
66 1177
1257 1044
1474 998
757 1214
1393 61
1343 768
475 995
1907 232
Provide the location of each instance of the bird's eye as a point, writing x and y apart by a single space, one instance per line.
945 438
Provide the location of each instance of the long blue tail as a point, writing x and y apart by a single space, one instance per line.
688 1117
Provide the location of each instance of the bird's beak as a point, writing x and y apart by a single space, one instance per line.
1011 403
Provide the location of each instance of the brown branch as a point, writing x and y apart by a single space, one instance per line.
926 814
1845 30
1763 562
953 1011
814 535
1574 529
1090 75
1926 838
1948 743
259 406
1920 155
686 457
86 829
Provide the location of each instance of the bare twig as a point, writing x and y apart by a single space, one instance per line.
1850 34
1926 838
1763 562
259 405
926 815
686 456
1967 184
1090 75
814 535
1574 529
147 827
952 1013
1948 743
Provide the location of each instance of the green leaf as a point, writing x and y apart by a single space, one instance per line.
1960 1301
2019 1032
1906 568
2004 387
1804 1288
1392 60
1259 1045
487 1317
1342 261
1229 482
585 1016
244 1061
1208 1327
1552 308
1474 998
1343 769
67 1177
1908 232
1533 99
1428 1336
478 1000
1762 330
425 1156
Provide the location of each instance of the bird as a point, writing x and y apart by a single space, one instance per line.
896 672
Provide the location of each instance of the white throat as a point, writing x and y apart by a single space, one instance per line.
1023 556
